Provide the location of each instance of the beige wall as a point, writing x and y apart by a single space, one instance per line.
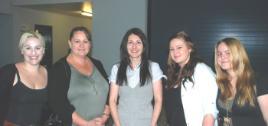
32 2
112 18
109 25
25 19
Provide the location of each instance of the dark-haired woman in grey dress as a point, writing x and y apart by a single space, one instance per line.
137 81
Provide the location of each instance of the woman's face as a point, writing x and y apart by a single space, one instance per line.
33 51
179 51
224 57
134 47
79 44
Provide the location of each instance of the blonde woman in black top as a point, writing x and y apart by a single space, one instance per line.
241 101
23 92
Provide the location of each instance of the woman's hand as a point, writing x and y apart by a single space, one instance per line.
99 121
208 120
263 102
95 122
79 121
91 123
104 118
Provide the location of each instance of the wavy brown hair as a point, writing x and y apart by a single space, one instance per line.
245 84
176 75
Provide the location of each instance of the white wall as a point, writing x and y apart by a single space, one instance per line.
111 19
25 19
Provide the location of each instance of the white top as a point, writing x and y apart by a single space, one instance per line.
134 74
200 99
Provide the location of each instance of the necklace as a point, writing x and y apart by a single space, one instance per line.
227 120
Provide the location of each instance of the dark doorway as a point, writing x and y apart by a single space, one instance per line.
46 32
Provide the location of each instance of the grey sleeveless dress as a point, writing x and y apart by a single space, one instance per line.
135 107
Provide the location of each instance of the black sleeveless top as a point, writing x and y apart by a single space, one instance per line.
173 105
26 104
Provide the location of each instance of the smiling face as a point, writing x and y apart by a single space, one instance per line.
134 46
32 51
79 44
179 51
223 57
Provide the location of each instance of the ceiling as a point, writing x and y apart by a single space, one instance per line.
72 9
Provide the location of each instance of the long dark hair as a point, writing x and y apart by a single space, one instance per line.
125 61
176 75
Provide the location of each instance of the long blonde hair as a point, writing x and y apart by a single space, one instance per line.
245 84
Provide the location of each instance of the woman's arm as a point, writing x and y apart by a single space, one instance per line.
206 81
7 75
114 88
263 102
58 86
158 97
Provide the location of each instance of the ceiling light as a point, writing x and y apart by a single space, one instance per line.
86 9
85 13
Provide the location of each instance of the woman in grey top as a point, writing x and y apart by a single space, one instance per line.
135 83
78 89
